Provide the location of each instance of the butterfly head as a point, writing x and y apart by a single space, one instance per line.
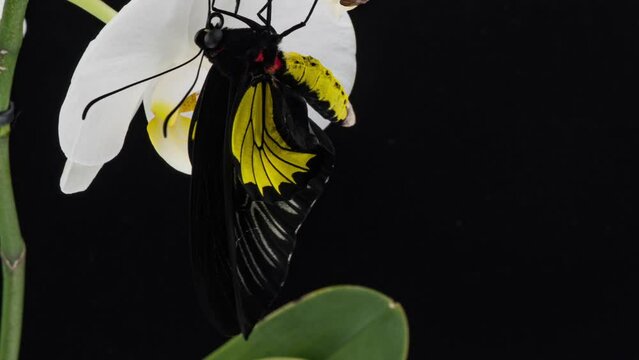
256 46
209 38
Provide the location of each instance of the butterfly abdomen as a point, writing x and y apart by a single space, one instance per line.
317 84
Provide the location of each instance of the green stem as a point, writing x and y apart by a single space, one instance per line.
96 8
13 253
12 248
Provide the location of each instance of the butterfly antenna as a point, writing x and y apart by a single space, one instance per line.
99 98
252 24
188 93
302 24
237 6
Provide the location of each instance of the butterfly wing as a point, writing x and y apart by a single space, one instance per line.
273 161
210 250
277 146
254 181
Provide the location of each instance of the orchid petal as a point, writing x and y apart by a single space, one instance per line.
77 177
164 97
165 94
130 47
174 147
198 16
168 91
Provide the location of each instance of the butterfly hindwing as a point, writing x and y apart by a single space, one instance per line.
243 221
267 230
271 164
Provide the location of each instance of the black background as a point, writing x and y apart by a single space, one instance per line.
490 186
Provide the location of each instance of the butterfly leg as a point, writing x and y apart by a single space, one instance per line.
260 15
268 8
303 23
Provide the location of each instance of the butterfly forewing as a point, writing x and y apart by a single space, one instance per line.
211 252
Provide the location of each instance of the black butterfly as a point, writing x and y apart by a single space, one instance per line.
258 163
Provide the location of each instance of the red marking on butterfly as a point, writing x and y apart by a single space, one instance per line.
276 66
271 69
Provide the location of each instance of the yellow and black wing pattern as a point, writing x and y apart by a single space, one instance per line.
250 196
320 88
273 160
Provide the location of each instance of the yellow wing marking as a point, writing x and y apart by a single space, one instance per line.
320 80
265 158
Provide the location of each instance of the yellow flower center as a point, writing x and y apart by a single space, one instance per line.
174 147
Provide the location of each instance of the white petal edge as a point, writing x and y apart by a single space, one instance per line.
142 40
77 177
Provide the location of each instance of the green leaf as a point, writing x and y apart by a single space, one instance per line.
336 323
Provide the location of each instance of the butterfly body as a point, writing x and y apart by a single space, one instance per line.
259 165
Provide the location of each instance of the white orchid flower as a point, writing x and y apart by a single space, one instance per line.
148 37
